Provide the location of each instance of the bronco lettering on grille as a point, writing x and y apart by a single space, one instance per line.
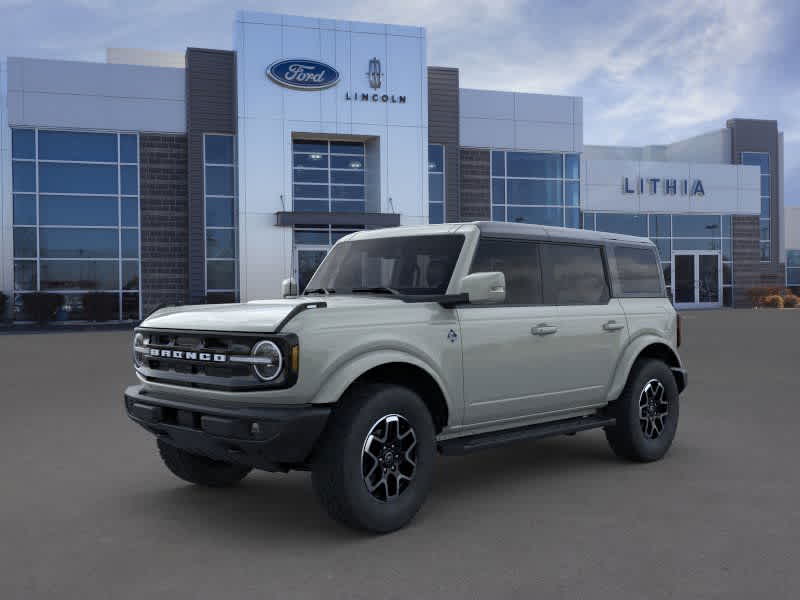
183 355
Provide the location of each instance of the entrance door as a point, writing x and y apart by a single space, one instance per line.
307 261
697 279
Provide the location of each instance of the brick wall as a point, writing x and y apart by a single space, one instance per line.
475 199
164 213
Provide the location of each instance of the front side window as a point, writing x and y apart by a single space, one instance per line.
573 275
638 271
404 265
518 261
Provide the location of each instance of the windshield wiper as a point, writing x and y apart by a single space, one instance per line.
376 290
322 290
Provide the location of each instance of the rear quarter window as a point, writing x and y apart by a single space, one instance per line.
638 272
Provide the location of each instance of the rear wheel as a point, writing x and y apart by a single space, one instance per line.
200 470
646 413
373 467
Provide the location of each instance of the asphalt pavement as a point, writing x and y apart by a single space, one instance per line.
88 511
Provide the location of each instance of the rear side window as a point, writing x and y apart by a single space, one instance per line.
638 272
518 261
574 275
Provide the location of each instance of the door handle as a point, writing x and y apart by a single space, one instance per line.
613 326
544 329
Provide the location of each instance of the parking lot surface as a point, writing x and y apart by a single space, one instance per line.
88 511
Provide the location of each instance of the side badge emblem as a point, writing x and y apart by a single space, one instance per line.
452 336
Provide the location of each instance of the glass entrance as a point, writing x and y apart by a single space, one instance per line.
697 279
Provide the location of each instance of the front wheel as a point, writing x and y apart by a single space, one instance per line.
374 464
646 413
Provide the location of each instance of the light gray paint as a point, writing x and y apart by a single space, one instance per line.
83 95
711 147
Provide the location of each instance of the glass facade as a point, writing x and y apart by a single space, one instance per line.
793 268
328 176
536 187
436 183
761 160
76 219
674 233
219 159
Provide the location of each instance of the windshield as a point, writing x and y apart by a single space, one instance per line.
403 265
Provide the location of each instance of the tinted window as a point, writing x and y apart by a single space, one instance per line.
66 178
637 270
529 164
128 151
78 243
696 225
73 145
628 224
22 143
573 275
219 149
77 210
518 261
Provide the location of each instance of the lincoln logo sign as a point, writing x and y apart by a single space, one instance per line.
669 187
302 74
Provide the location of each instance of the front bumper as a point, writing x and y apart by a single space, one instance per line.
273 438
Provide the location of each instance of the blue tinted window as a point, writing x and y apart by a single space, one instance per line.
317 238
25 242
664 246
696 244
129 180
525 191
310 191
221 274
498 163
24 275
793 258
435 158
764 229
23 143
130 212
726 226
310 146
77 179
765 207
498 213
537 215
130 275
219 149
128 149
793 277
759 159
320 161
78 243
219 212
530 164
628 224
436 187
23 176
765 185
573 166
77 210
436 213
130 306
588 221
337 162
219 181
727 249
314 175
696 225
80 275
572 189
347 148
220 243
348 206
73 145
498 191
357 177
660 226
130 243
572 217
311 205
347 192
24 209
766 251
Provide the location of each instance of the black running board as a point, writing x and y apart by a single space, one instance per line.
482 441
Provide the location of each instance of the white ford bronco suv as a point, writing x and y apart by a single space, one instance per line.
409 341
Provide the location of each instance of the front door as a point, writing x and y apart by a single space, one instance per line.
697 279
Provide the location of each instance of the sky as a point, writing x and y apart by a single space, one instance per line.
649 72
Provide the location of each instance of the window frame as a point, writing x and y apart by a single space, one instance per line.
603 260
537 247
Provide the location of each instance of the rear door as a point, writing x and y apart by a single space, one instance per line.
592 328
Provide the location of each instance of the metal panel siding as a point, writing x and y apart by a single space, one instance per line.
210 108
443 128
475 184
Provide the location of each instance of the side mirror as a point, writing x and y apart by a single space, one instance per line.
288 287
485 288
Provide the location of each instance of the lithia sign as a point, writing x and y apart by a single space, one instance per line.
306 74
667 186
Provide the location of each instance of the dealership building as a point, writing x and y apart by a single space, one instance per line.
212 175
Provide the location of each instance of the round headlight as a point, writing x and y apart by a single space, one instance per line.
138 342
268 361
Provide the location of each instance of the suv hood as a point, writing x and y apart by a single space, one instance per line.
258 316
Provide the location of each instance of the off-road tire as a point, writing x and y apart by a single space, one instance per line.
200 470
628 438
337 465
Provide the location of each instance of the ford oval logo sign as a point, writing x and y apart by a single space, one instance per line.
303 74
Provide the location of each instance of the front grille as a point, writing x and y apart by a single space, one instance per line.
195 366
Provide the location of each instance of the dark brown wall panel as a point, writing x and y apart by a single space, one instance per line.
475 199
443 129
